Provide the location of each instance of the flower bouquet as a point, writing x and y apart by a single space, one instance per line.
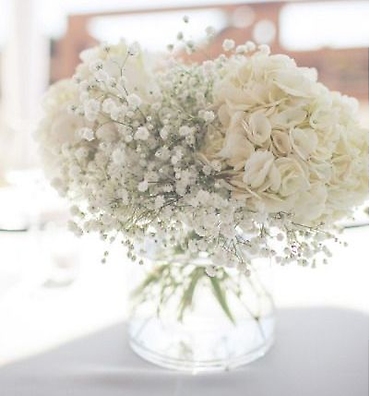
204 168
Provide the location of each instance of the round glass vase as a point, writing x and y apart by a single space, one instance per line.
181 318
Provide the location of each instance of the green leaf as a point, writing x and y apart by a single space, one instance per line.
189 292
221 298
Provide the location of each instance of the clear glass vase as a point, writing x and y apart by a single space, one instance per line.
181 318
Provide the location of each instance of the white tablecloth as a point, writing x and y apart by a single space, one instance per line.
318 352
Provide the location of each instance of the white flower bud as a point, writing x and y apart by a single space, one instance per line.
86 133
228 44
134 101
143 186
142 133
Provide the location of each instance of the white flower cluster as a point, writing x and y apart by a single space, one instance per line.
235 157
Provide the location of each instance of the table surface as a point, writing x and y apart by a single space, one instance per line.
318 351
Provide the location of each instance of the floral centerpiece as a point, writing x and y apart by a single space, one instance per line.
233 158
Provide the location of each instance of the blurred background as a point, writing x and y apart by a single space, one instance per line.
53 286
